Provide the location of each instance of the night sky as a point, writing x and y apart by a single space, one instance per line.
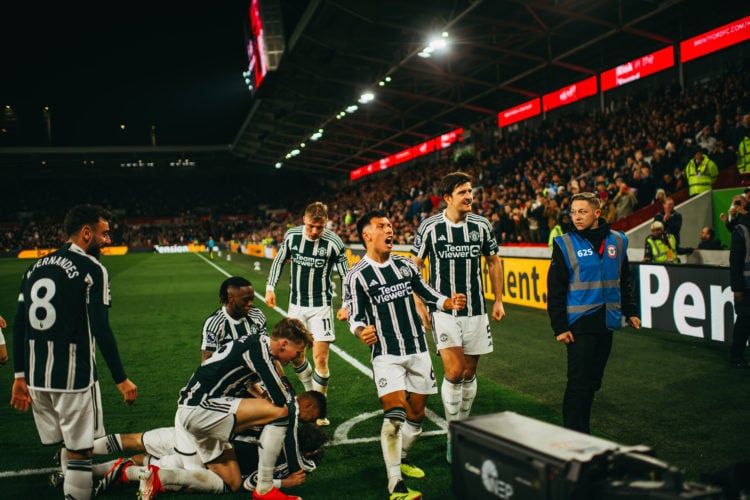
175 65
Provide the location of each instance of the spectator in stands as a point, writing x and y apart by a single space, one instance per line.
564 224
609 211
705 140
701 173
671 219
709 241
659 247
743 156
736 209
741 130
625 201
644 185
660 196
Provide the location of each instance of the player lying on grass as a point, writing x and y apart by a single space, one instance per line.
162 469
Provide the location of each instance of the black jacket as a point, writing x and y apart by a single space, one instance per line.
737 255
557 289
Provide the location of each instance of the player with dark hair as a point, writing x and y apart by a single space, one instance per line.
63 312
454 242
314 252
382 314
235 318
213 405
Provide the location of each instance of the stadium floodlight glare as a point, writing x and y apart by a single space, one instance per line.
278 164
317 135
366 97
352 108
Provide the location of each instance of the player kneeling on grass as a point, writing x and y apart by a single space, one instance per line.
212 407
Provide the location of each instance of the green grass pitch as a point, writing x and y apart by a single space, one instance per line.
675 394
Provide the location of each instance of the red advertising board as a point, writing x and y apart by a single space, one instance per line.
520 112
570 94
422 149
638 68
719 38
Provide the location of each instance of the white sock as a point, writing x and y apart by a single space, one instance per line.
468 393
100 470
391 442
320 382
305 374
271 440
451 395
193 481
109 444
410 432
79 483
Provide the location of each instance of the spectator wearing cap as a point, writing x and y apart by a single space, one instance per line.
660 248
701 173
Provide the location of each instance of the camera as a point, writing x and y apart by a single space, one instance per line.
737 202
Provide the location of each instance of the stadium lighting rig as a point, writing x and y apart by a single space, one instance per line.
436 44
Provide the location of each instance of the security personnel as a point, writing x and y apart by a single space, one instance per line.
701 172
739 279
590 291
660 247
743 157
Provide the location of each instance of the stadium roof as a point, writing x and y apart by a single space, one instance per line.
500 53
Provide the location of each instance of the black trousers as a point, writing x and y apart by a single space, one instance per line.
741 328
587 358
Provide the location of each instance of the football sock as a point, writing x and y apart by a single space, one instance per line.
109 444
450 393
271 440
304 371
100 470
79 483
410 432
391 441
196 480
320 382
468 393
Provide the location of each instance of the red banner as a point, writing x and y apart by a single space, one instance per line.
711 41
520 112
570 94
638 68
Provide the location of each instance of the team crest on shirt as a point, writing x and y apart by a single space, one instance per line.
322 252
382 382
443 337
418 241
612 251
405 272
474 236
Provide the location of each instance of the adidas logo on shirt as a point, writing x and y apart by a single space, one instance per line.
442 237
374 283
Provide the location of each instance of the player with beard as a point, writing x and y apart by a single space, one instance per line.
454 242
63 311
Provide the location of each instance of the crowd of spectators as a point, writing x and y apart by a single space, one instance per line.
632 155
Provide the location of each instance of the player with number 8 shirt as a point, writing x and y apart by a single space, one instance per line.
62 314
